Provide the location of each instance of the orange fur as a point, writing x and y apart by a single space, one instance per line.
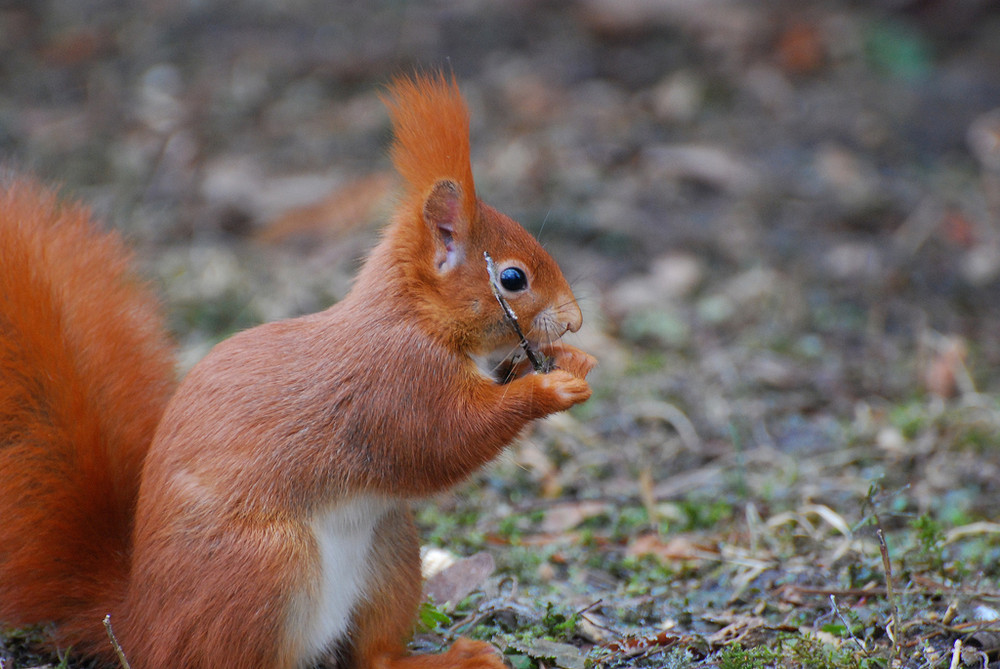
85 371
430 124
271 524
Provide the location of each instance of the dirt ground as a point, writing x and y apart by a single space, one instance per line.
782 220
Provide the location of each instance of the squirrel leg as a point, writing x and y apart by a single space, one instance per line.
385 621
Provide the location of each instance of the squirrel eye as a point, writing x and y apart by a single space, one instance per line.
513 279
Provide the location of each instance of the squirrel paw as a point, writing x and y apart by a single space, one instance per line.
573 360
566 388
469 654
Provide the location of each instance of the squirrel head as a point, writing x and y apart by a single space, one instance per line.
441 231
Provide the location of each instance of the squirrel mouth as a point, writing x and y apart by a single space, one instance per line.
507 364
509 368
525 354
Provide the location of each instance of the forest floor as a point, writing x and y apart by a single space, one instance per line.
782 220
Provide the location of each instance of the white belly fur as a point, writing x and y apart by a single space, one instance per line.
343 535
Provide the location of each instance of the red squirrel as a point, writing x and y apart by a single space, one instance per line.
256 515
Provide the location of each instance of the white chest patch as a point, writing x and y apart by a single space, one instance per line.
344 535
502 359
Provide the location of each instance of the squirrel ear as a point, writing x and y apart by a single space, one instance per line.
443 216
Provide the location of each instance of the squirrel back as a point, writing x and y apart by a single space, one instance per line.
86 369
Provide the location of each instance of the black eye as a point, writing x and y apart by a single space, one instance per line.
513 279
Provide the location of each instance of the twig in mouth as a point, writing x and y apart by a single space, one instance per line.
538 361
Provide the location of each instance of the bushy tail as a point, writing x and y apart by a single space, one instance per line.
86 369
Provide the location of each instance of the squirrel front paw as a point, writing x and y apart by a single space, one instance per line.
564 387
571 359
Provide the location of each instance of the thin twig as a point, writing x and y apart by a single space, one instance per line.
114 643
588 607
538 361
892 629
890 592
847 625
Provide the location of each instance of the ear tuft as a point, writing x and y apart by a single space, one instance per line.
445 219
431 126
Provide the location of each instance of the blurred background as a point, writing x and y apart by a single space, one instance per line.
782 219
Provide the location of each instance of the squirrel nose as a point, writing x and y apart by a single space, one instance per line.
570 315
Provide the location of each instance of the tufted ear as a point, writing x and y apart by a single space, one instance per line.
447 224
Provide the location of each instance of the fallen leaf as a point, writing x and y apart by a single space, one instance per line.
565 517
678 547
457 581
636 645
945 369
800 48
563 655
713 166
345 208
739 628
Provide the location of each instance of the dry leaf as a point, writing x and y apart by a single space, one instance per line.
800 48
679 547
740 628
946 367
637 645
567 516
456 582
564 655
345 208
